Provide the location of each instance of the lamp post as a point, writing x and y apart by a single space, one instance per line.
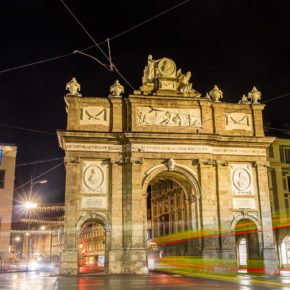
28 205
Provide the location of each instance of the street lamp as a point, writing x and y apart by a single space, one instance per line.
28 205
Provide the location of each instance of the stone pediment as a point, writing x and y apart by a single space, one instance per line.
162 78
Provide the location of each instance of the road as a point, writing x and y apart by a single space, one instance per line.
156 281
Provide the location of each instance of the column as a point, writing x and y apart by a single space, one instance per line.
269 253
115 252
208 209
136 254
224 194
258 119
69 255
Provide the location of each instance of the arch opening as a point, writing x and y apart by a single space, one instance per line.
285 252
247 244
92 247
171 212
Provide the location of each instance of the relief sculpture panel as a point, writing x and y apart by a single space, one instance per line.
242 179
168 117
95 175
238 121
94 115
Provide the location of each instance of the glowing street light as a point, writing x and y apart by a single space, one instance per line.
42 228
17 239
30 205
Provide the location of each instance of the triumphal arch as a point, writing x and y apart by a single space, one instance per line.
165 136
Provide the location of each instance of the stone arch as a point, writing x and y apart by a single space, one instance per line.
253 238
182 175
103 220
89 216
188 174
242 216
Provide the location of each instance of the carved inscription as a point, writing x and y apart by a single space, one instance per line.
168 117
165 148
94 115
198 149
244 203
94 202
242 179
238 121
94 177
93 147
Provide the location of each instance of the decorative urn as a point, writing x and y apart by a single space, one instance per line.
216 94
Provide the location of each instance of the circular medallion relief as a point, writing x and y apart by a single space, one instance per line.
93 177
241 179
166 67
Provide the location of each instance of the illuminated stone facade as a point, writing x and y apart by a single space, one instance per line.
279 185
7 176
118 147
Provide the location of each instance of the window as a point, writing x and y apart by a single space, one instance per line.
288 179
271 151
287 155
2 178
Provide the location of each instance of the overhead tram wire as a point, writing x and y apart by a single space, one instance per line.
27 129
34 178
92 46
98 46
39 162
147 20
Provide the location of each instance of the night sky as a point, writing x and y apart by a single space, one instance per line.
234 44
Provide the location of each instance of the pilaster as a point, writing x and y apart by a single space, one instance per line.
69 255
115 253
208 200
136 256
227 243
258 119
268 251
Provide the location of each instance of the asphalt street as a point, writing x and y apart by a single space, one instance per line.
156 281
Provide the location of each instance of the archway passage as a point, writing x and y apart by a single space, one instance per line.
169 213
247 245
92 247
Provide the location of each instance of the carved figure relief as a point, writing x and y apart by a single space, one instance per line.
238 121
161 75
184 85
94 115
166 68
242 179
168 117
94 177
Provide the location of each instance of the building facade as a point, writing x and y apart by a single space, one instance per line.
92 244
39 234
120 149
7 176
279 185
